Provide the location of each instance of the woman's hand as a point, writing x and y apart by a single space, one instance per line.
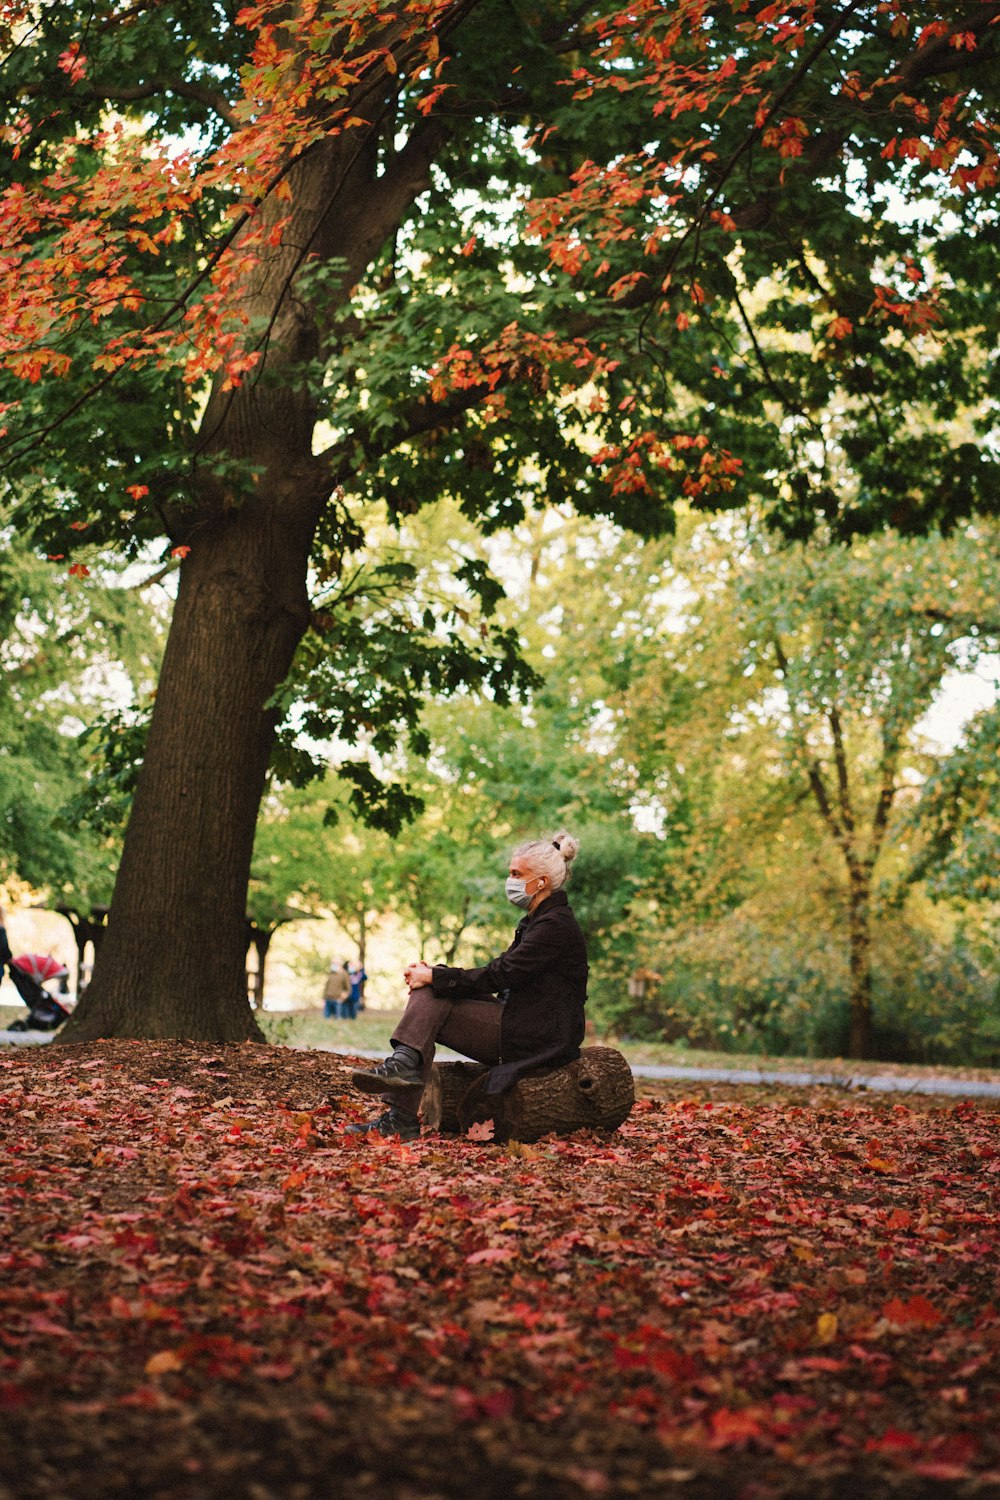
418 974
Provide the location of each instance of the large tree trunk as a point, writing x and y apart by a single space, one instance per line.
173 960
596 1092
859 910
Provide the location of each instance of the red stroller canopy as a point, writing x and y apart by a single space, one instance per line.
41 966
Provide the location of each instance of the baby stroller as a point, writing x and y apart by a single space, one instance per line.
29 974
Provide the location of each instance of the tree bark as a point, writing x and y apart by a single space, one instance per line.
859 924
241 611
596 1092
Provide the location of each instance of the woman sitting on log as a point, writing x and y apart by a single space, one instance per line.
522 1010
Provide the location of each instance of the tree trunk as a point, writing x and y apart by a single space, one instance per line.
594 1092
85 930
362 940
172 963
259 939
859 922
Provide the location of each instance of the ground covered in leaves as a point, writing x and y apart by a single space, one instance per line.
207 1290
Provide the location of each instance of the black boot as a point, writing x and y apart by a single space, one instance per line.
393 1122
400 1071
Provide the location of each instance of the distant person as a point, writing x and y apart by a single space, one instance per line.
522 1010
356 999
336 991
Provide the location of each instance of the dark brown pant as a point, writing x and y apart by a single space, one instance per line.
471 1027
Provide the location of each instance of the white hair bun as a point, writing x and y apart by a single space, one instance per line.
567 845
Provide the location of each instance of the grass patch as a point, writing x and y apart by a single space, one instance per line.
373 1028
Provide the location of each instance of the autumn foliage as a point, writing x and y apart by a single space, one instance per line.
84 235
207 1287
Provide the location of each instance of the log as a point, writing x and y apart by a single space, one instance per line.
444 1091
594 1092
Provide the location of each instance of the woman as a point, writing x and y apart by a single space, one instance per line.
521 1011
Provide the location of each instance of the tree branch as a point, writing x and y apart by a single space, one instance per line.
939 56
843 775
883 805
962 622
811 765
772 385
132 93
422 415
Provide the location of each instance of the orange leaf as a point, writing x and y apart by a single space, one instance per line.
163 1363
731 1427
915 1313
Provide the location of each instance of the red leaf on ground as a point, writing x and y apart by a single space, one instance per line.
916 1312
732 1427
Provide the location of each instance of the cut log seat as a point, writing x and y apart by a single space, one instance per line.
594 1092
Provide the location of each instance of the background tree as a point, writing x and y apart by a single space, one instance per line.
958 816
811 673
312 856
67 650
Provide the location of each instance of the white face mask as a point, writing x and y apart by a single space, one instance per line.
516 892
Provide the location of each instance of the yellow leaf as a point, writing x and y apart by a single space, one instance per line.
826 1327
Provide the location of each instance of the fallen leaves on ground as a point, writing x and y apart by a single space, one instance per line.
207 1289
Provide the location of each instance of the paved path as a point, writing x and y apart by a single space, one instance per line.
875 1083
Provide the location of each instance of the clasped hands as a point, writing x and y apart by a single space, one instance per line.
417 974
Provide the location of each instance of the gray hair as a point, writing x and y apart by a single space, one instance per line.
550 856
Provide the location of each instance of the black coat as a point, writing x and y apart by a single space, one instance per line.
543 978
